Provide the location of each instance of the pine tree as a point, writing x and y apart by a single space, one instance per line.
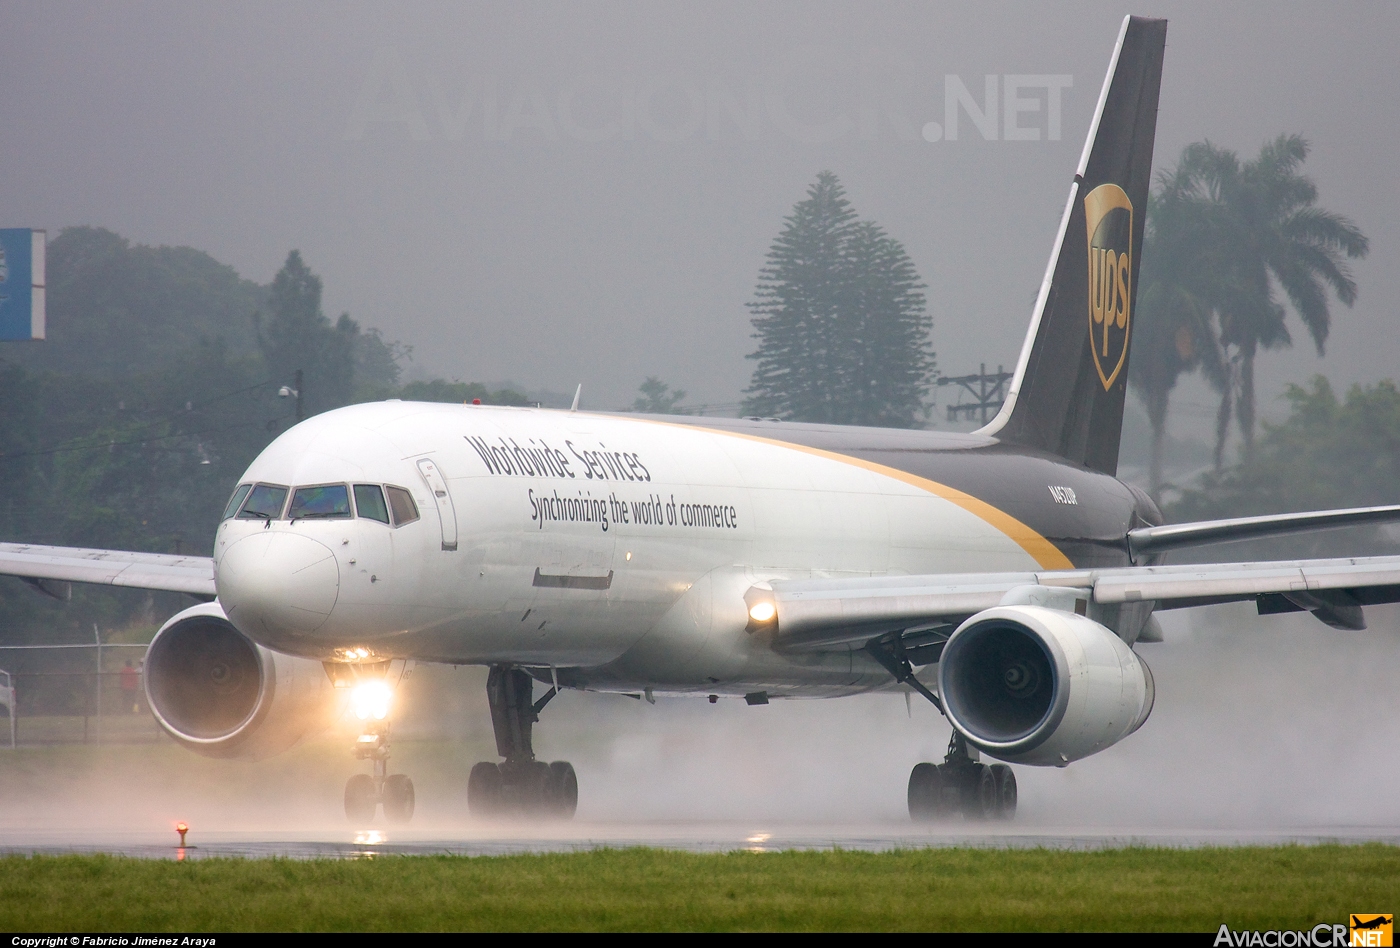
840 320
657 398
294 334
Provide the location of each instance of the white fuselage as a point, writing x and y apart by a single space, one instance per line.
617 547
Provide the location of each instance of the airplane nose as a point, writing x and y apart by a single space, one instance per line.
283 582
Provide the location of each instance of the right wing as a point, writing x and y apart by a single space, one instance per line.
845 612
50 567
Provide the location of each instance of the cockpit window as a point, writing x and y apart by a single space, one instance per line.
369 502
236 499
264 503
401 502
326 502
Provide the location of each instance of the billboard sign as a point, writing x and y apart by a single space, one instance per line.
22 283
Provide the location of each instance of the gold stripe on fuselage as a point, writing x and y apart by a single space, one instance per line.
1040 549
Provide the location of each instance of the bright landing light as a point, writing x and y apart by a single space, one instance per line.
762 611
370 699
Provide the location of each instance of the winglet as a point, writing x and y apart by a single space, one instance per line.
577 392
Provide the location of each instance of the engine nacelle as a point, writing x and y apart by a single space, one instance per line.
222 695
1033 685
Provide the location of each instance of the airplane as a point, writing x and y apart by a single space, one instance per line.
1007 576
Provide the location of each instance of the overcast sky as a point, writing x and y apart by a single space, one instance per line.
563 193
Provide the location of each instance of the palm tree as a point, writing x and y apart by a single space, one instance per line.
1266 228
1175 332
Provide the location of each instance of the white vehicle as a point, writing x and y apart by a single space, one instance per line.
1004 575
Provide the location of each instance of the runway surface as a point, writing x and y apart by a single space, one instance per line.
688 837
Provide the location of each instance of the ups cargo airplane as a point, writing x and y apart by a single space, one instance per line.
1005 575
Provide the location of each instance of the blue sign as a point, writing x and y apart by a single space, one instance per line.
21 283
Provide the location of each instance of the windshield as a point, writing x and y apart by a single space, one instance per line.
369 502
236 499
330 500
264 503
405 510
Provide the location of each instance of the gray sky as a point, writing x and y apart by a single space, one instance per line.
555 193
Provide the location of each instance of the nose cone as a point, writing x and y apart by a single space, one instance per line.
275 583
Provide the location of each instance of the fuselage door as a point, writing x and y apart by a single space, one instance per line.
447 514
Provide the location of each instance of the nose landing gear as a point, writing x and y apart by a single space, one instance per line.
961 785
364 793
520 785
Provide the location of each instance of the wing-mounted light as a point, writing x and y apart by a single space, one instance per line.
762 609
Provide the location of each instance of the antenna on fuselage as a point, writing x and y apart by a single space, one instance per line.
577 392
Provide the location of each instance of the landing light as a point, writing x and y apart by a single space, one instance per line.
762 611
370 699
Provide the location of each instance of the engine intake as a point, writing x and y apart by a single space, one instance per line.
1034 685
220 694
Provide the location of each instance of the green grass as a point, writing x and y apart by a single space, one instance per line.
1291 887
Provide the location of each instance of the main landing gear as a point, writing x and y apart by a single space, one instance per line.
364 793
519 786
961 785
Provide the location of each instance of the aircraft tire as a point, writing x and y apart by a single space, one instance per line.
361 800
925 793
1005 779
485 791
980 803
398 799
562 790
531 791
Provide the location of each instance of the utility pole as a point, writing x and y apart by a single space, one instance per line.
987 390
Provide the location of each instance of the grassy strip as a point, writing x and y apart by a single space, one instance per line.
1290 887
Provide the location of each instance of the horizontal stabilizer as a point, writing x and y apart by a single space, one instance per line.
1148 540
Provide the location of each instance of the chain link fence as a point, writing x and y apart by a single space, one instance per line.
47 696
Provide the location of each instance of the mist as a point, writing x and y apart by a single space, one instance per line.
1262 726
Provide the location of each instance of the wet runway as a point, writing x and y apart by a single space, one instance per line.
687 837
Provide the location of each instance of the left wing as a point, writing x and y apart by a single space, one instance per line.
51 568
820 614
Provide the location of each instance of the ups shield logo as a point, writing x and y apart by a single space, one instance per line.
1108 225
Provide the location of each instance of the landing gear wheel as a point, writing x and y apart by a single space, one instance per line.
398 798
561 793
1005 780
925 793
531 788
361 800
980 800
485 790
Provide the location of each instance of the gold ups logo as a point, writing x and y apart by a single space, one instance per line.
1108 225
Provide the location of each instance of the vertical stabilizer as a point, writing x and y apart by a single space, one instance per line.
1067 394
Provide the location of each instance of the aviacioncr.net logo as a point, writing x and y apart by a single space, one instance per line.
1108 226
1372 929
